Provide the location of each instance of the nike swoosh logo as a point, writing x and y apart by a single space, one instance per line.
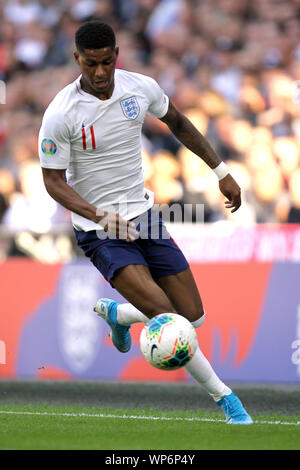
152 349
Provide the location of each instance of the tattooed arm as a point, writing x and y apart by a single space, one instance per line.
191 138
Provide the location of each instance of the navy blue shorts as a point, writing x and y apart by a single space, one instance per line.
154 248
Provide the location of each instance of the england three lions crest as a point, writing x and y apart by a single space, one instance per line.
130 107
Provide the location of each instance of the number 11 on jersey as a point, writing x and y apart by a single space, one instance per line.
83 135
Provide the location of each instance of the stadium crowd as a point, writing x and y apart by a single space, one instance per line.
232 66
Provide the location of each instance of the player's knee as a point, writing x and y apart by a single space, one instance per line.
196 317
199 321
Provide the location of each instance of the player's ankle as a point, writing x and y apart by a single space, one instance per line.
218 396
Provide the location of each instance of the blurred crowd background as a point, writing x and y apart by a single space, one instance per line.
231 66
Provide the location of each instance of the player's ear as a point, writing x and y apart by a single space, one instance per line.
76 55
117 51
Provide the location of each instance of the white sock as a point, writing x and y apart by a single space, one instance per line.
200 369
198 322
128 314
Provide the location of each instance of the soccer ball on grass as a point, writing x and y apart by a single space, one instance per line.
168 341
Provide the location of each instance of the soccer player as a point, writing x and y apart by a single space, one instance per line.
90 153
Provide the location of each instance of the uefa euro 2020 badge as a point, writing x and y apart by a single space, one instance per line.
130 107
48 147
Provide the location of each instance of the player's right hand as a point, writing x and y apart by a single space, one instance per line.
117 227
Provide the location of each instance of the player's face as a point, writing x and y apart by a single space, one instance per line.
98 68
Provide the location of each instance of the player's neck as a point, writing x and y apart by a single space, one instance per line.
102 95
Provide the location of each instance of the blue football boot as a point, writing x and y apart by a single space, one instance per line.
107 309
234 410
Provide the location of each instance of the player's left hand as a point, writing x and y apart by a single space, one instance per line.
229 187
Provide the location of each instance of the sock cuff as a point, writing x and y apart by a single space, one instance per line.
198 322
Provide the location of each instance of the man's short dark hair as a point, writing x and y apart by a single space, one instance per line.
94 35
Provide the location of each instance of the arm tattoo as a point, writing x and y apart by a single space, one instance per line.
191 138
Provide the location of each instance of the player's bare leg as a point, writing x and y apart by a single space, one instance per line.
135 284
147 299
182 291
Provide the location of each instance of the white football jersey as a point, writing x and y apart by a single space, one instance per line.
98 142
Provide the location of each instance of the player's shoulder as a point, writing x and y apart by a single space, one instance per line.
135 79
63 104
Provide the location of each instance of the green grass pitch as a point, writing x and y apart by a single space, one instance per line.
135 416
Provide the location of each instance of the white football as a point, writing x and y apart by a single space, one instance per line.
168 341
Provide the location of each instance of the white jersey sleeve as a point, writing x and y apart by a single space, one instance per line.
54 142
158 100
